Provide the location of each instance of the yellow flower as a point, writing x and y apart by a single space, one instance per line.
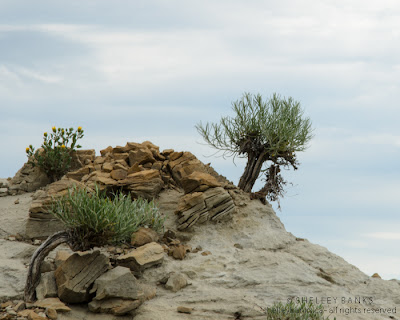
79 129
54 129
27 150
45 134
63 146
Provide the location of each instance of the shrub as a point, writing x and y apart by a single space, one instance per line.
54 157
93 219
262 131
296 311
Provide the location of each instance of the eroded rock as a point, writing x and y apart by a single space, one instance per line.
144 236
144 257
198 207
117 283
75 276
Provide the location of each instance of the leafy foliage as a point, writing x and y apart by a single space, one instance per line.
272 130
94 219
275 125
54 157
296 311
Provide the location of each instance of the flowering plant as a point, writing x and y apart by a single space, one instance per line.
54 157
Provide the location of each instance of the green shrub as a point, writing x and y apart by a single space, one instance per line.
265 132
296 311
94 219
54 157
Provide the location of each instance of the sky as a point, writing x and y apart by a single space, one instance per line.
151 70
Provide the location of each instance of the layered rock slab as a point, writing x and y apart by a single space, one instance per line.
144 257
117 292
198 207
75 276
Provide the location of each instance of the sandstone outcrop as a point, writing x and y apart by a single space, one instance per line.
30 178
143 171
254 263
198 207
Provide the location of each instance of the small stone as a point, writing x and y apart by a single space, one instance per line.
51 313
176 282
47 287
19 237
53 303
108 167
182 309
6 304
19 306
173 242
375 275
118 174
143 236
16 201
34 316
47 265
167 152
61 256
115 306
169 234
179 252
206 253
11 312
12 238
37 242
144 257
238 245
197 249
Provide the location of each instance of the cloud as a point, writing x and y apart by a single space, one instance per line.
383 235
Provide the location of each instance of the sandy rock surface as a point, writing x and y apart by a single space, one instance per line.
251 262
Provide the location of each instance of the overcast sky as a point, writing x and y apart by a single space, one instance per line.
151 70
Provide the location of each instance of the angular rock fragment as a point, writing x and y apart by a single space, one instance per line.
198 181
144 236
53 303
144 257
117 283
198 207
146 184
114 306
141 156
47 287
75 276
176 282
42 199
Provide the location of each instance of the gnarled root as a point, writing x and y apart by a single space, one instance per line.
40 254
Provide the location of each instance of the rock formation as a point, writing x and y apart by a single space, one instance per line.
238 268
143 171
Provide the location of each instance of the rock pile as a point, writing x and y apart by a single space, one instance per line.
29 178
143 171
106 278
79 277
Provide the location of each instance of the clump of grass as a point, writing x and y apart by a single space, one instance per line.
93 219
296 311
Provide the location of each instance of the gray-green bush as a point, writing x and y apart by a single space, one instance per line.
93 219
262 131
